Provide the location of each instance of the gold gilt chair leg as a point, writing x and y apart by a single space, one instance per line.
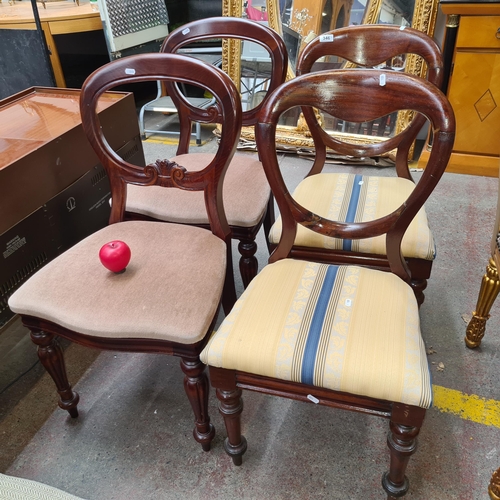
490 286
494 487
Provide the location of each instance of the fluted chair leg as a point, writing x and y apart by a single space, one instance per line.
197 389
52 358
248 262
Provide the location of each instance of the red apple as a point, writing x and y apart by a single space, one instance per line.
115 256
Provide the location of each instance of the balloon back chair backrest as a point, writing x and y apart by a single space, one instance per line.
169 68
356 95
371 46
226 28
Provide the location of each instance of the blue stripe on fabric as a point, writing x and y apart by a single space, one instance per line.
353 206
311 348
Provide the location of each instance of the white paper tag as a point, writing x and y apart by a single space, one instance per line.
348 302
310 397
186 31
382 80
326 38
402 28
360 183
129 71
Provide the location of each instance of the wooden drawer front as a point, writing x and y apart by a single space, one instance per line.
475 97
479 32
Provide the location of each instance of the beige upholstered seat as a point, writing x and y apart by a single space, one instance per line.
245 194
368 46
78 293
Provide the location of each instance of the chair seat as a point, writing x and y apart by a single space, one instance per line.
245 194
357 198
344 328
78 293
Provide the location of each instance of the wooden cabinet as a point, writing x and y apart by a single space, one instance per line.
474 87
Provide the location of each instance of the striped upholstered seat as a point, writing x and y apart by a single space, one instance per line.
299 321
356 198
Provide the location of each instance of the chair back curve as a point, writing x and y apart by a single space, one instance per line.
238 29
356 95
371 46
169 68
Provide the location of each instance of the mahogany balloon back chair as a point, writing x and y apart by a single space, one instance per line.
343 336
167 299
368 46
246 193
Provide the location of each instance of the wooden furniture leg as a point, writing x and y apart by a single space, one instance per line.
418 286
269 220
490 286
51 357
230 407
248 262
402 444
197 388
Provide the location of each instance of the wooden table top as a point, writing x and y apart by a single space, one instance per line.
22 12
39 115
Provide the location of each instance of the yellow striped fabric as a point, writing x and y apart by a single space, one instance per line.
344 328
368 198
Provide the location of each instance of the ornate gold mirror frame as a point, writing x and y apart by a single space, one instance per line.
424 19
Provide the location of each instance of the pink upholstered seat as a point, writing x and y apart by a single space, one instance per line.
77 292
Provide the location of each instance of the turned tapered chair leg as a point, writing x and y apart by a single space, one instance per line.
402 444
248 262
197 389
490 286
52 358
230 407
229 292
